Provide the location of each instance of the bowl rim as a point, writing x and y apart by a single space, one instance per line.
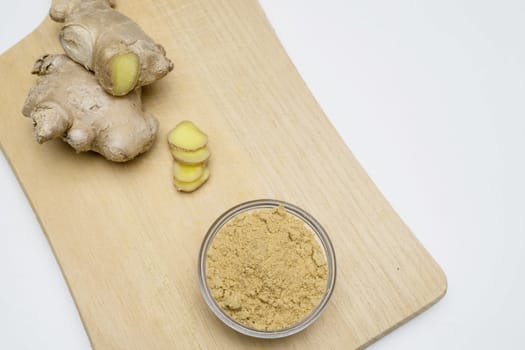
314 225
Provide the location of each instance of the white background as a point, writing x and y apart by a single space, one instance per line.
430 97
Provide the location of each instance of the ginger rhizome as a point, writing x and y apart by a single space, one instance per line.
68 102
110 44
189 146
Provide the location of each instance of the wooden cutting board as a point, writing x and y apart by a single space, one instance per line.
127 242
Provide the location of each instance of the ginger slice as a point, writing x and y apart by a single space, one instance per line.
125 69
192 186
187 172
190 157
188 145
186 136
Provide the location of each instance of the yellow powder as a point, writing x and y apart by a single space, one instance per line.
266 269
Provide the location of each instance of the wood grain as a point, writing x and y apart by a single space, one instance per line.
127 242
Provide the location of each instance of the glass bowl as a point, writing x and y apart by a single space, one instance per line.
311 223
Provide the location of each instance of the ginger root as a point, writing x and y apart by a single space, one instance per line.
188 145
68 102
107 42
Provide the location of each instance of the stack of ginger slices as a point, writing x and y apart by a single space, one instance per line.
189 147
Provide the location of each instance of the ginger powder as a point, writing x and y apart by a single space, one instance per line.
266 269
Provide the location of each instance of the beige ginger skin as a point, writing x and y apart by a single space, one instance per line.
68 102
110 44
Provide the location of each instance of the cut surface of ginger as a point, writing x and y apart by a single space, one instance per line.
187 172
125 70
186 136
190 157
192 186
